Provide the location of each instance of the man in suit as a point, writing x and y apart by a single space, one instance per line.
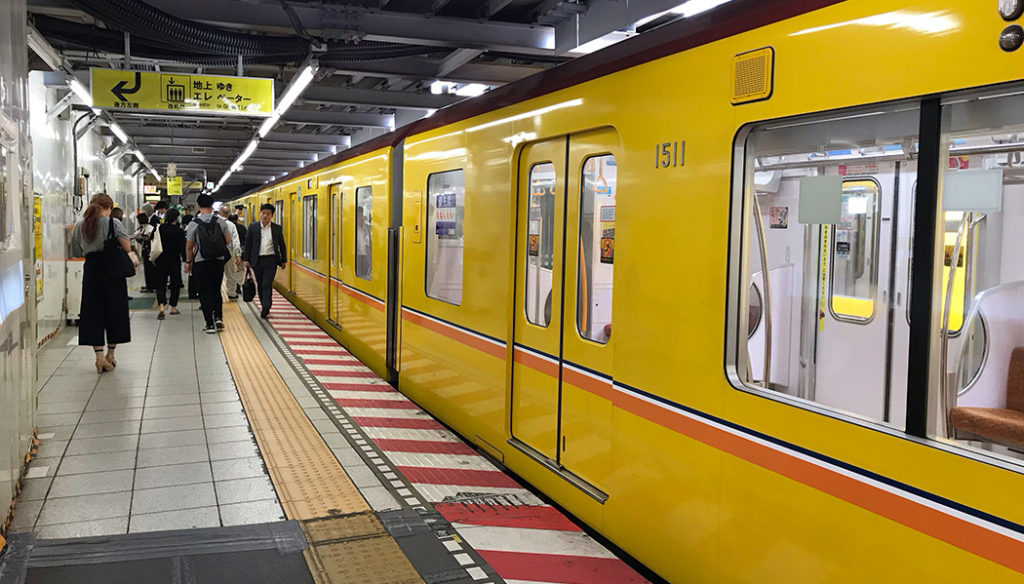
264 252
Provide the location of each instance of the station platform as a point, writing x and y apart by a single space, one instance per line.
267 453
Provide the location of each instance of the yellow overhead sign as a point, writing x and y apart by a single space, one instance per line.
158 91
174 185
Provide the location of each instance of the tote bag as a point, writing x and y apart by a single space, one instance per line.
157 246
116 261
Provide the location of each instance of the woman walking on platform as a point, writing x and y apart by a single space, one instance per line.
104 310
168 263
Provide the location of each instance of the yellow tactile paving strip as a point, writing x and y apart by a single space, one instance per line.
348 544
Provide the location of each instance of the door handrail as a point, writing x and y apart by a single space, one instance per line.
767 307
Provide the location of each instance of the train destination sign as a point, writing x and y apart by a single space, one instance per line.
172 92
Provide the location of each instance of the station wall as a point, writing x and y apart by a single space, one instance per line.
53 188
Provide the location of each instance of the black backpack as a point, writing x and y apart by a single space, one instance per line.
210 238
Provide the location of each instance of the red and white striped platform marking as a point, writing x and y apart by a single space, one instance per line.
526 543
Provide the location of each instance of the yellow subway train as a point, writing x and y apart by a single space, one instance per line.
791 351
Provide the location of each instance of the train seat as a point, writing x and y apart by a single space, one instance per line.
1003 425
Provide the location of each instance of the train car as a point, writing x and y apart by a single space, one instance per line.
791 348
338 220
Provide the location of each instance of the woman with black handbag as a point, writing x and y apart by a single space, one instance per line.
103 241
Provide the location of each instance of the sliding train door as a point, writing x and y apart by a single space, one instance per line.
562 365
292 238
536 370
334 240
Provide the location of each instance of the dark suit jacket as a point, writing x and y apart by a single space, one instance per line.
253 234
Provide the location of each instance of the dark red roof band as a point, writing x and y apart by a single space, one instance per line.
731 19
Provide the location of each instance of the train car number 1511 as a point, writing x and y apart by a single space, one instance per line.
668 154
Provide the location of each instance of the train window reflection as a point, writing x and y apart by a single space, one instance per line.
813 268
309 227
446 203
596 248
540 243
980 385
854 252
364 232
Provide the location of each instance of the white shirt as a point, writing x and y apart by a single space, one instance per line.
235 246
266 240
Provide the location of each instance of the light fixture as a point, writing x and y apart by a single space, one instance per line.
296 87
1009 9
81 91
694 7
44 49
268 124
471 90
116 129
245 155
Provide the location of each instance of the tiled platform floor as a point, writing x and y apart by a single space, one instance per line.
162 442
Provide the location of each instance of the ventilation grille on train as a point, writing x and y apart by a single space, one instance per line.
752 75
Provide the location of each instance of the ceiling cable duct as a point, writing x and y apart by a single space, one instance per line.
67 33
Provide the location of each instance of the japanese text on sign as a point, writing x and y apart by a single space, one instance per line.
155 91
444 215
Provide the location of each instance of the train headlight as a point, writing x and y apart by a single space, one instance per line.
1011 9
1011 38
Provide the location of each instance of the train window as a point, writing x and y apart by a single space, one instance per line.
279 211
309 227
980 375
853 252
364 233
596 248
540 240
812 260
446 202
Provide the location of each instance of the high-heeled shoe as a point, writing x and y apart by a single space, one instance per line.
101 362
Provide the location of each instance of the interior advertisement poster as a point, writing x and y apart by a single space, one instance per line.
608 234
445 216
37 230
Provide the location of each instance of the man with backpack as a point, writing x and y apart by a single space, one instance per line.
206 250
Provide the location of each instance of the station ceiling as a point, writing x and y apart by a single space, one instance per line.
379 61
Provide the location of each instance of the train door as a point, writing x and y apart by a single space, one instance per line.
292 210
561 379
536 370
853 305
334 259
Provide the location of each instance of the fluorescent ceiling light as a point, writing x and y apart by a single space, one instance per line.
44 49
472 90
295 89
268 124
81 91
244 156
116 129
694 7
441 87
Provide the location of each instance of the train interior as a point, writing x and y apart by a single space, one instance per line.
830 208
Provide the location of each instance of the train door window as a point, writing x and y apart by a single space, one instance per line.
596 248
364 232
309 227
279 211
812 229
446 201
854 254
540 244
980 380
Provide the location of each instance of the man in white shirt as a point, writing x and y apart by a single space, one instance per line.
234 272
265 252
